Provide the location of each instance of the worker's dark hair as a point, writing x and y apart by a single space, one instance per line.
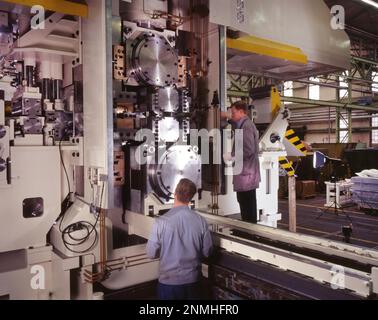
240 105
185 190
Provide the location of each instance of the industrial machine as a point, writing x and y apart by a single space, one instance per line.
104 107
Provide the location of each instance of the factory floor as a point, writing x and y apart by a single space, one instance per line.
328 226
312 219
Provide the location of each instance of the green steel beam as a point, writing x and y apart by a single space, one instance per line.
322 103
365 60
240 94
350 112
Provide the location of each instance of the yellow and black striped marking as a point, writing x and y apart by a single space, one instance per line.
287 166
292 137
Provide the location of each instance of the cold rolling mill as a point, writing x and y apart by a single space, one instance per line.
104 107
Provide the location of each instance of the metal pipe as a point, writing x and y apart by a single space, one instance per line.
329 124
368 61
305 120
29 76
313 112
349 124
327 117
372 84
239 94
362 32
330 85
322 114
322 103
46 89
362 255
359 130
362 80
57 89
222 67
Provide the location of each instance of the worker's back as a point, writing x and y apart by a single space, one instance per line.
181 239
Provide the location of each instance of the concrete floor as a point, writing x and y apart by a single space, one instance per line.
329 224
365 234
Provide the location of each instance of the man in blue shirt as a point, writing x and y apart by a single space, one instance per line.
181 239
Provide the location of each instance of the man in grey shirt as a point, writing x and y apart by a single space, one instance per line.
246 182
181 239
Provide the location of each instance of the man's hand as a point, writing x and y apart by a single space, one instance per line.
225 115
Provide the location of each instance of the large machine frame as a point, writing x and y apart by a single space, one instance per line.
77 206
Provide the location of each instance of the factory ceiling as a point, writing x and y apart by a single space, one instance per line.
358 15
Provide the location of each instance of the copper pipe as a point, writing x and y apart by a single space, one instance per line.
102 241
134 265
137 255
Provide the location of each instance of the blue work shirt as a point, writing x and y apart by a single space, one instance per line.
239 123
180 238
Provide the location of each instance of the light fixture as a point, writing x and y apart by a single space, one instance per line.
320 159
371 3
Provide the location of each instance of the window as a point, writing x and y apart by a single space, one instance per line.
344 84
374 133
314 90
374 86
344 124
288 90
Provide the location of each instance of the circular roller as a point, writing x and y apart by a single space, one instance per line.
155 61
167 99
176 163
169 129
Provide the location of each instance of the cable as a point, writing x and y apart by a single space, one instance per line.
82 200
67 198
80 225
64 167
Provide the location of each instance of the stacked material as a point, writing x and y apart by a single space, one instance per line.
365 189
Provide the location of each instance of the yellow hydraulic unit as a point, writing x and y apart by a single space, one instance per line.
269 48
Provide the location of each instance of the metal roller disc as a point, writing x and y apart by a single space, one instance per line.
168 99
155 61
177 163
169 129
